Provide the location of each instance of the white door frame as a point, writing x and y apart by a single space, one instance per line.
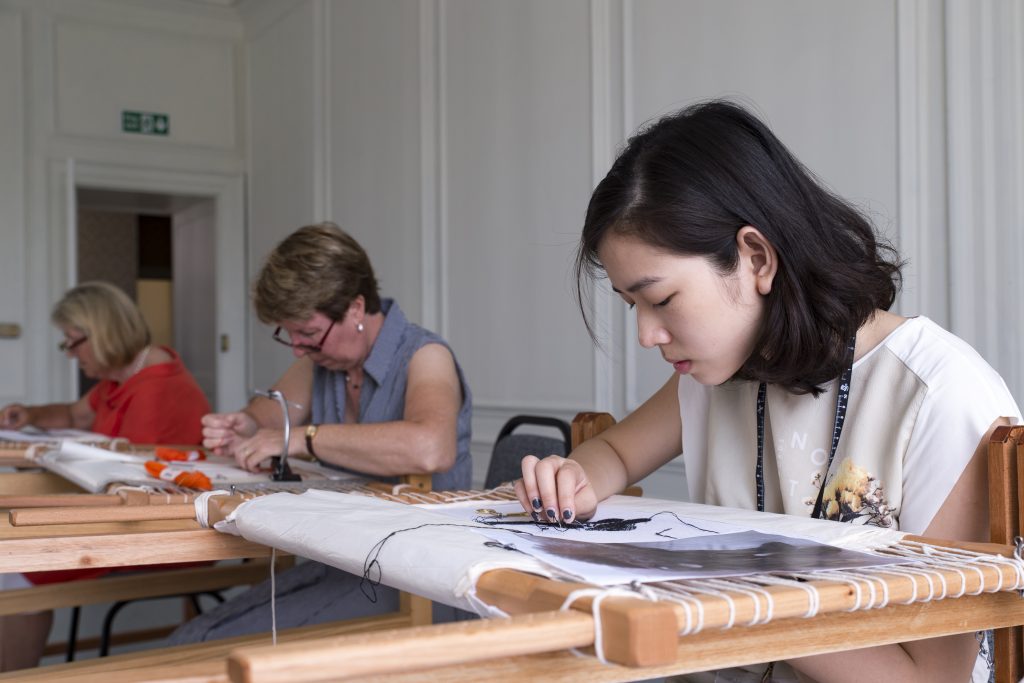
231 278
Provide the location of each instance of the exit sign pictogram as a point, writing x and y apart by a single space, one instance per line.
145 122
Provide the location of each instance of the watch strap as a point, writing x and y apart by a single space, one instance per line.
310 433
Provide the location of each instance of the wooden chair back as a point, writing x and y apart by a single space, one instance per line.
586 425
1006 490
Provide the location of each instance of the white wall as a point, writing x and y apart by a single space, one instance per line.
193 279
459 141
283 144
13 350
70 68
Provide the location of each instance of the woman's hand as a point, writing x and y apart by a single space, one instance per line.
555 489
266 443
15 416
224 432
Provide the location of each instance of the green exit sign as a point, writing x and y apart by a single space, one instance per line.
145 122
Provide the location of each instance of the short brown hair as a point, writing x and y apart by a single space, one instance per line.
106 315
316 268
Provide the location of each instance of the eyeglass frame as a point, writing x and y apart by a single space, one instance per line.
308 348
69 346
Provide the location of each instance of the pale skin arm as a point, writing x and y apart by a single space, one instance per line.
606 464
650 437
223 433
423 442
962 517
77 415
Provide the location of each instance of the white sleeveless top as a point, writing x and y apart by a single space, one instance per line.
919 404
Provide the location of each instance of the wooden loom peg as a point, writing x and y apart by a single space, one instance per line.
133 496
49 500
94 515
218 507
636 632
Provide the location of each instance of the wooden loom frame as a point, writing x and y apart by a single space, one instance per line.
134 534
533 642
1006 521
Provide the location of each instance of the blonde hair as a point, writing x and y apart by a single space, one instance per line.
112 322
318 268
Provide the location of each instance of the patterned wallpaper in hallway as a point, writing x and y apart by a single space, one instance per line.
108 248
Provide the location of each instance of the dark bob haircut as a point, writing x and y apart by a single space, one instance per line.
687 183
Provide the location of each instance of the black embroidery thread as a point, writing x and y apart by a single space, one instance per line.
373 574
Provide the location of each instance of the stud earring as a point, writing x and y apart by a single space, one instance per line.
359 327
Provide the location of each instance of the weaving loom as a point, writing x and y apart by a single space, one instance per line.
455 566
952 589
16 445
637 631
134 521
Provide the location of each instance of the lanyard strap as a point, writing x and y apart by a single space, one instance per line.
842 400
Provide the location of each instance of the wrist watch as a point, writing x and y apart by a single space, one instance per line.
310 433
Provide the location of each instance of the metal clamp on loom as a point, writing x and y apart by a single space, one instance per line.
281 470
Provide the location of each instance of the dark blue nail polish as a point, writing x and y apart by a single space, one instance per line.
551 515
536 516
567 514
536 503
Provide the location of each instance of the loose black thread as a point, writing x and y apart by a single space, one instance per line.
503 546
368 583
684 522
609 524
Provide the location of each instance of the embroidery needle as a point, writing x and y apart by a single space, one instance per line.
501 515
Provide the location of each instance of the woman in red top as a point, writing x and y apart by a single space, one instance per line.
145 395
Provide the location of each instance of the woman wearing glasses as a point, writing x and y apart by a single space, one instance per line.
379 395
144 394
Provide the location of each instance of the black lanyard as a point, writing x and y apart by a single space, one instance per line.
842 399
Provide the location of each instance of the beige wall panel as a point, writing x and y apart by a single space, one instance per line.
374 123
821 73
282 172
516 178
104 69
156 301
13 349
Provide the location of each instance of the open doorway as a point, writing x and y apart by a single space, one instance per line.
159 249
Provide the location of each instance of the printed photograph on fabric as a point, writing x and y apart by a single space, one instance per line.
736 554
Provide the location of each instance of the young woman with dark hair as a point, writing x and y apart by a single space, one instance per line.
795 389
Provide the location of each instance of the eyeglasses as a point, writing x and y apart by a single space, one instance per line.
308 348
69 345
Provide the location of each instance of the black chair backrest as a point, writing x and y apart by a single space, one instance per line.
510 448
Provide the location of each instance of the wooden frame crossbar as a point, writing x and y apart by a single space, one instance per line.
639 637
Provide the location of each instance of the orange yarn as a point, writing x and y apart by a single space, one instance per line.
172 454
193 479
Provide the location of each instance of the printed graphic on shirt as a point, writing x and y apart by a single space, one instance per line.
855 495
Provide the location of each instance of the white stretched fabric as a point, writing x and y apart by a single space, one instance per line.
440 560
849 536
75 450
95 468
342 530
91 467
